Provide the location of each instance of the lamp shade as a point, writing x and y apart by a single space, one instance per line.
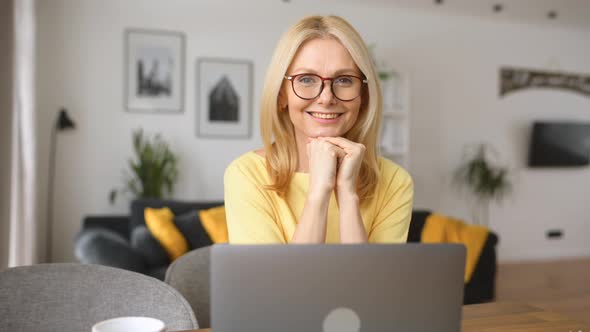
64 122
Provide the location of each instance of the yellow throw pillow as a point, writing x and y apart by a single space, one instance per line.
160 222
213 220
440 229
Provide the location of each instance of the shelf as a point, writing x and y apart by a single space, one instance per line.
394 140
394 108
395 114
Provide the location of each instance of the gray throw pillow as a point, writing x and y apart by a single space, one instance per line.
105 247
189 224
148 247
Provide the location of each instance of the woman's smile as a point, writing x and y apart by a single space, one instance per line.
323 116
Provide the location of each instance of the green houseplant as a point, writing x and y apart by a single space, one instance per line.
152 172
484 181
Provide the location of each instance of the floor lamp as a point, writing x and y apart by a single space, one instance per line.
62 123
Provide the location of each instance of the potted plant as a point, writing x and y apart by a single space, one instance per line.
484 180
153 170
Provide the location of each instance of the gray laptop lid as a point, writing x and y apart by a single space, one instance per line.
337 288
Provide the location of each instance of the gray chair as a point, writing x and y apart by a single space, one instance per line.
190 275
73 297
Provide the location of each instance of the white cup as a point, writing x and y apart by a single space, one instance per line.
130 324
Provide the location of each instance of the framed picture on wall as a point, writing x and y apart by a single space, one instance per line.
224 98
154 71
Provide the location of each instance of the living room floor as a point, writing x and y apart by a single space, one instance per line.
561 286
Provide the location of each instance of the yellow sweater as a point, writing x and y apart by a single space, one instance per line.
257 216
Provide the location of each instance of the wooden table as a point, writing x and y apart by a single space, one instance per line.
509 316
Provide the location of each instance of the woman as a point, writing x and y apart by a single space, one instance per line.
319 178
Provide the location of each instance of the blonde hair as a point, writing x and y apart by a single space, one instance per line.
278 134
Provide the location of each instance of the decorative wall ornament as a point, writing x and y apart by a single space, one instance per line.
154 71
512 80
224 97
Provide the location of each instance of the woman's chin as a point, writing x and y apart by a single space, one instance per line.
325 133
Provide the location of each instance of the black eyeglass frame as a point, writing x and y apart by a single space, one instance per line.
324 79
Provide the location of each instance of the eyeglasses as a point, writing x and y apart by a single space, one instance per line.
310 86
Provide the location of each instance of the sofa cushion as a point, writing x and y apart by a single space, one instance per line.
158 272
215 223
148 247
138 207
190 226
481 287
117 223
444 229
105 247
160 222
417 224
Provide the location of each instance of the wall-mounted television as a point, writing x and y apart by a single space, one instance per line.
559 144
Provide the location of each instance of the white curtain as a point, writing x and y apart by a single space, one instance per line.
23 240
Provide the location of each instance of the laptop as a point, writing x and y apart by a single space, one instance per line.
337 288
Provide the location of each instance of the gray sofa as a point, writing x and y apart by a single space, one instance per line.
123 241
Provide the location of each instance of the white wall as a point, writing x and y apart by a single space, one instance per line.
453 63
